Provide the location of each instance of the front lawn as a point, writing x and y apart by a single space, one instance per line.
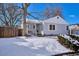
31 46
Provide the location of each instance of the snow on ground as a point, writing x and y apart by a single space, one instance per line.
31 46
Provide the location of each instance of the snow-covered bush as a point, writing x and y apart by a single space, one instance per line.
67 43
74 37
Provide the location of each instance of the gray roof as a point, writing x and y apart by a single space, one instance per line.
56 19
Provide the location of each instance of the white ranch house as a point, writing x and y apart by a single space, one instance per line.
52 26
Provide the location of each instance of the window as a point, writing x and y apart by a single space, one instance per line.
67 27
51 27
27 25
33 26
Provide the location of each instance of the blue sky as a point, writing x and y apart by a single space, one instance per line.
70 11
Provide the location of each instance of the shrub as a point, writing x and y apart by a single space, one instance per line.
67 43
74 37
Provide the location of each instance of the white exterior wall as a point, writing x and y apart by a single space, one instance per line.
59 29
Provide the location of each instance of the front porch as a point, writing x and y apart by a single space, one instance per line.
34 28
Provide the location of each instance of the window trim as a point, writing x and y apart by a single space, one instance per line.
53 27
67 27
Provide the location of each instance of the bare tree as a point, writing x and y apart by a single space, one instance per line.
52 11
10 16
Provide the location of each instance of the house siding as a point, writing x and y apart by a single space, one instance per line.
59 29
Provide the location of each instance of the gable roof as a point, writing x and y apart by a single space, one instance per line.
56 19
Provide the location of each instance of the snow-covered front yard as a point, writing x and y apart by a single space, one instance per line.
31 46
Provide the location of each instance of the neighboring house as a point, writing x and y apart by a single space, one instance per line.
74 29
52 26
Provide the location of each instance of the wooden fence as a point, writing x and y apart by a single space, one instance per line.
8 32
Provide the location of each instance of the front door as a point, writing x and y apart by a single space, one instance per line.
38 29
